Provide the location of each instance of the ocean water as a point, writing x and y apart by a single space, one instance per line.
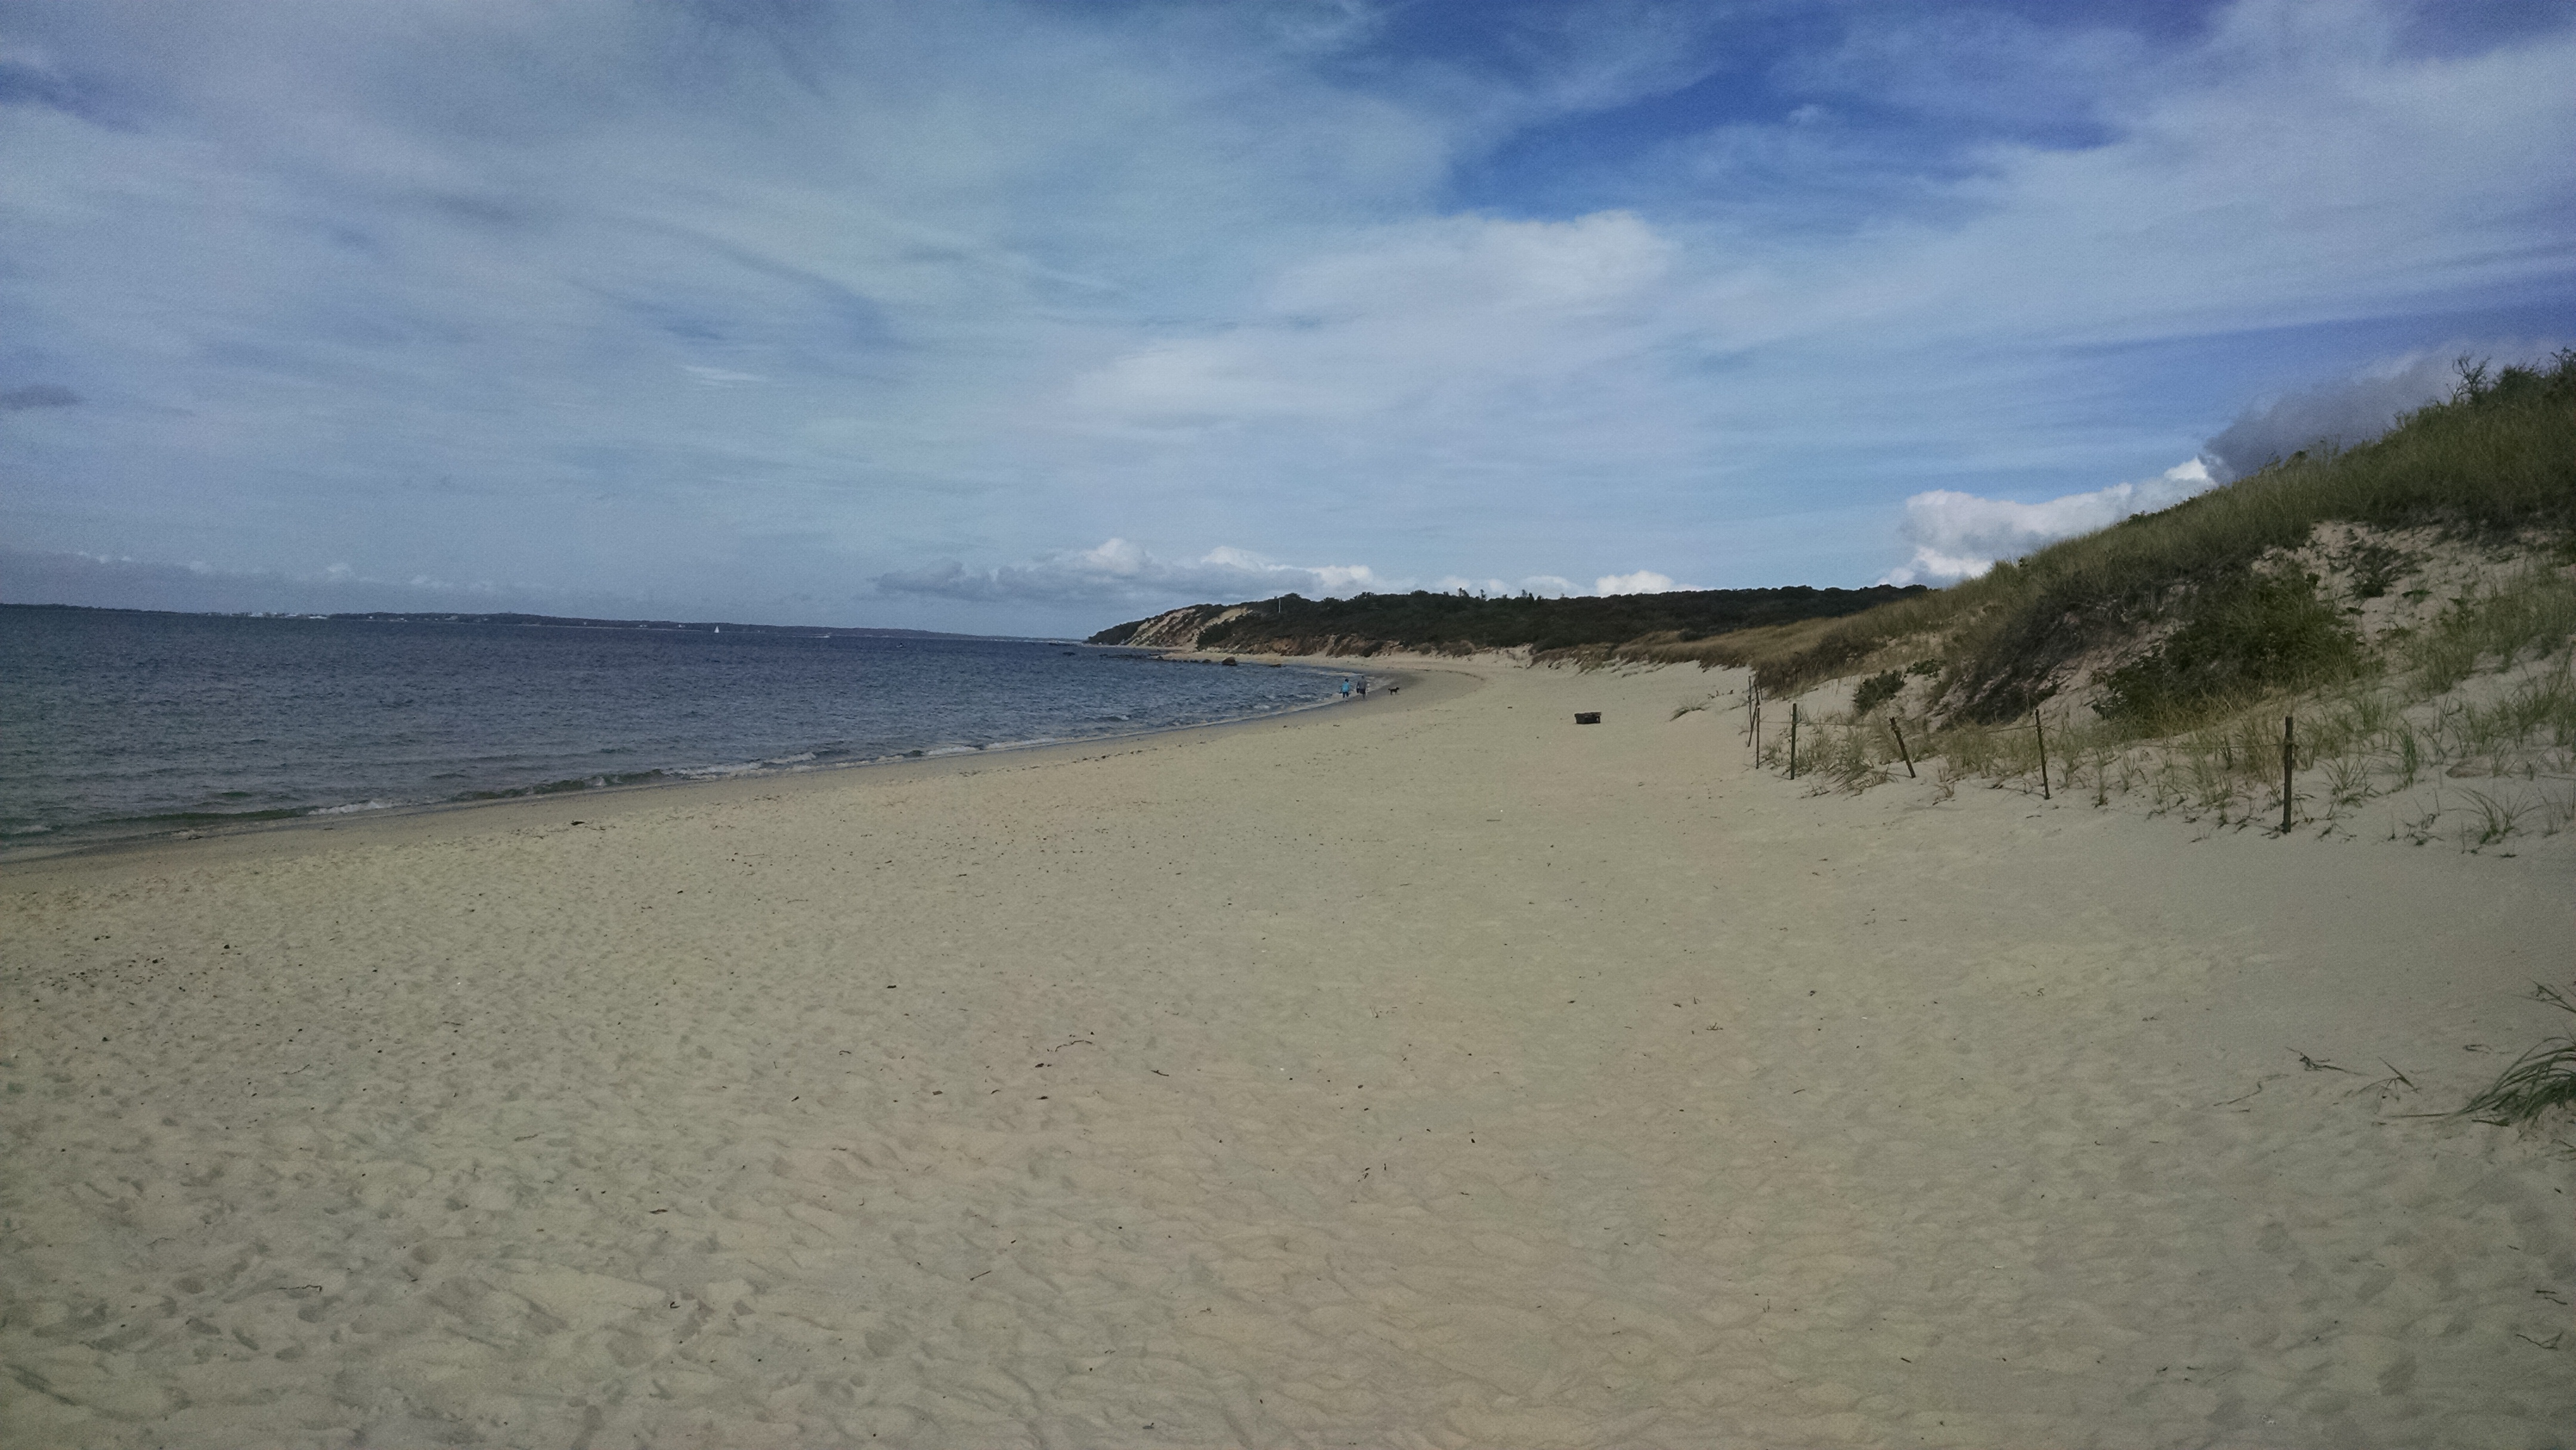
122 724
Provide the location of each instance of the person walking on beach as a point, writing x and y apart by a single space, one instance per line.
1363 687
1346 687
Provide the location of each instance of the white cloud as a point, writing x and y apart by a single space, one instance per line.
1960 535
1400 316
1644 581
1545 586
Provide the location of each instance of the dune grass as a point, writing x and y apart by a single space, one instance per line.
2539 1082
2534 611
2402 738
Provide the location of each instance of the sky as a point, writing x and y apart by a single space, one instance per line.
1034 317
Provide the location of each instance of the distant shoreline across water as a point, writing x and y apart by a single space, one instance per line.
122 724
555 621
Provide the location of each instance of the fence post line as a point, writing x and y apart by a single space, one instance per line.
2289 766
1902 753
1793 740
2042 731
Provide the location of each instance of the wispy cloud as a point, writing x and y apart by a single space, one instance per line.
1402 319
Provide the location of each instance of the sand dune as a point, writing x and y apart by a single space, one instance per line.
1426 1071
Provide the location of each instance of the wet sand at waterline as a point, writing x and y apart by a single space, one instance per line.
1426 1071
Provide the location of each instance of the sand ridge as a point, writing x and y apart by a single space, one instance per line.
1427 1072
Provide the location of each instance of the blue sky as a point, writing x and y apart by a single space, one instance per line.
1034 317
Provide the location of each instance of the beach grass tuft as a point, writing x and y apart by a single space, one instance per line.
2538 1082
2529 612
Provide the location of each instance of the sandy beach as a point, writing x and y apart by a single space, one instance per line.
1428 1071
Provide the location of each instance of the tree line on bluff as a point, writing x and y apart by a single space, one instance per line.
1461 623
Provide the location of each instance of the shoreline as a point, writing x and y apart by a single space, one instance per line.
340 818
1436 1072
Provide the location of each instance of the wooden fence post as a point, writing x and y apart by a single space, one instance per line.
1902 753
2042 732
1793 740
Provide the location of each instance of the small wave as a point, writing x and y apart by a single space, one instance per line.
354 808
207 818
717 772
559 787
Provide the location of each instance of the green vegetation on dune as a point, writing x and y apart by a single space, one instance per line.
2249 635
2495 460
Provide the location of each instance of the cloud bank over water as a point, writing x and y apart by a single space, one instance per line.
107 582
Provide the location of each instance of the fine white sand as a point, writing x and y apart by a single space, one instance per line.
1427 1071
